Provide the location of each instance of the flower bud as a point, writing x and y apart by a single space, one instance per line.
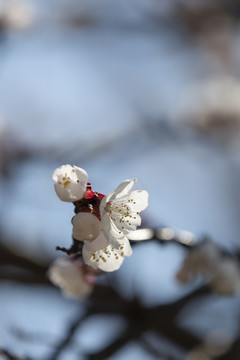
86 226
70 182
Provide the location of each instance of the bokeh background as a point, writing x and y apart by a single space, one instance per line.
125 88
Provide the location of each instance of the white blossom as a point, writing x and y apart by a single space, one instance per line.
201 260
17 14
206 259
100 255
70 182
69 277
120 212
226 280
86 226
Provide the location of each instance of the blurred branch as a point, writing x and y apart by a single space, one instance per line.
161 320
130 333
66 340
156 354
232 353
22 269
9 356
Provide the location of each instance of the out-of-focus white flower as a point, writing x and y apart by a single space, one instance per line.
100 255
67 275
120 212
70 182
226 280
201 260
212 107
206 259
16 14
86 226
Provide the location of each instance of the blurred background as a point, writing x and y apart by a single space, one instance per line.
124 89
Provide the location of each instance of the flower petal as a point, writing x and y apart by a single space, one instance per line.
113 235
81 174
126 247
123 189
72 193
103 203
137 200
60 171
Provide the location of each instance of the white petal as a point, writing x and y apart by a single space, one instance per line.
113 235
86 226
103 203
99 255
137 200
81 174
97 244
65 274
123 188
60 171
71 193
127 248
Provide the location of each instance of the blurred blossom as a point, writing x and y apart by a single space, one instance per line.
198 353
218 342
141 234
16 14
226 280
201 260
182 236
71 278
212 107
166 233
206 260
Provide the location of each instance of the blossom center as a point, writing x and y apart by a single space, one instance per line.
105 254
66 180
121 209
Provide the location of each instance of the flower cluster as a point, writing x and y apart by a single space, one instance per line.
101 223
